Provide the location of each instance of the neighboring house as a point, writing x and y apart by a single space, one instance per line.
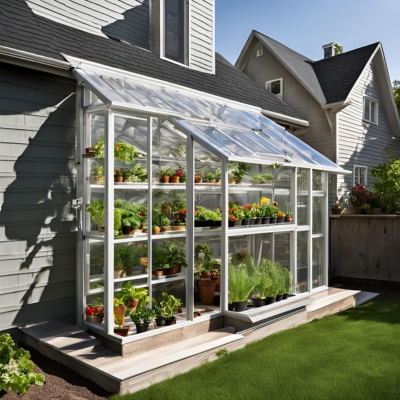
346 98
39 114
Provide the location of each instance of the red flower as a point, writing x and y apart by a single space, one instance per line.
142 214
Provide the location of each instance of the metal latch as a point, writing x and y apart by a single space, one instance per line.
77 205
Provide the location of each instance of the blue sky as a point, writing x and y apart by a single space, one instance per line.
306 25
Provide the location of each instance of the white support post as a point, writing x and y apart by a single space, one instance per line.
293 236
190 170
150 204
310 222
325 219
224 232
109 222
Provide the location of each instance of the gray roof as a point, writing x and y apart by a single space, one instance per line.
329 80
21 29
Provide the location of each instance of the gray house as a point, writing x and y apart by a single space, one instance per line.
345 97
38 124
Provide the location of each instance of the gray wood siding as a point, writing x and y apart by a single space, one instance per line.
37 183
317 134
126 20
361 143
201 35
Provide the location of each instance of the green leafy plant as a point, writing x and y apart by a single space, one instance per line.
261 178
130 293
98 170
205 214
166 304
143 315
16 371
221 353
168 255
271 211
164 221
387 185
240 284
166 171
238 169
202 257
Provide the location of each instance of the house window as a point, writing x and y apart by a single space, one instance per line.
175 28
276 87
360 175
370 110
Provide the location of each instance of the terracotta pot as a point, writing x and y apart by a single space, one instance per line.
205 276
289 218
206 290
174 179
158 272
122 331
178 227
94 319
119 315
126 180
231 181
89 150
100 229
155 231
118 178
132 304
165 229
197 180
164 179
96 179
173 270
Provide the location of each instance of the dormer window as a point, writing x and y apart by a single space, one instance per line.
275 87
174 30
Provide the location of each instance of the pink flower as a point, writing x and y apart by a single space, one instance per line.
178 172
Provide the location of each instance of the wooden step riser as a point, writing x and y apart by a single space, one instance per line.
111 385
171 337
333 308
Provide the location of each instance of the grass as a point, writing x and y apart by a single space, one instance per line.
351 355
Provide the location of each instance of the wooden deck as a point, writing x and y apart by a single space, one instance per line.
82 352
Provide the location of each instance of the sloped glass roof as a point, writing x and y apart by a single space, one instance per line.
235 131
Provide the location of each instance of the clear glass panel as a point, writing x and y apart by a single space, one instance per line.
317 180
362 176
373 111
302 180
302 217
282 188
318 209
302 262
317 265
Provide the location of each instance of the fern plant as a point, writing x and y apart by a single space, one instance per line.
240 284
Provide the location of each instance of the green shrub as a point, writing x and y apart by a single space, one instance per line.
16 371
240 284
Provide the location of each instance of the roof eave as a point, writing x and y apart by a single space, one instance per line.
285 118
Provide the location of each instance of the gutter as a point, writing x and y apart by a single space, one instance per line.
337 106
34 61
282 117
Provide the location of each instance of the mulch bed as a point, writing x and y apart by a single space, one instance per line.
61 383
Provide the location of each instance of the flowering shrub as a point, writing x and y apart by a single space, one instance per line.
98 311
360 195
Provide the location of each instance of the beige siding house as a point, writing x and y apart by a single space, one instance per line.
346 99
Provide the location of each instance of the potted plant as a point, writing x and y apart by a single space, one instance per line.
98 173
240 285
211 177
178 173
289 217
129 257
135 297
169 257
197 178
217 175
167 304
96 211
126 174
238 170
118 175
165 223
118 268
246 215
119 317
155 229
272 211
281 217
126 226
164 174
142 318
94 314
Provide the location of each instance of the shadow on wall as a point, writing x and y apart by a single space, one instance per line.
134 28
37 250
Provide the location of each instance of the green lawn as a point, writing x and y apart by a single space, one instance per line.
351 355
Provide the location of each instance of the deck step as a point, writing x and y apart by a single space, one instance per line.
339 300
80 351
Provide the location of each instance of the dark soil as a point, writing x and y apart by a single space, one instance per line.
61 383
